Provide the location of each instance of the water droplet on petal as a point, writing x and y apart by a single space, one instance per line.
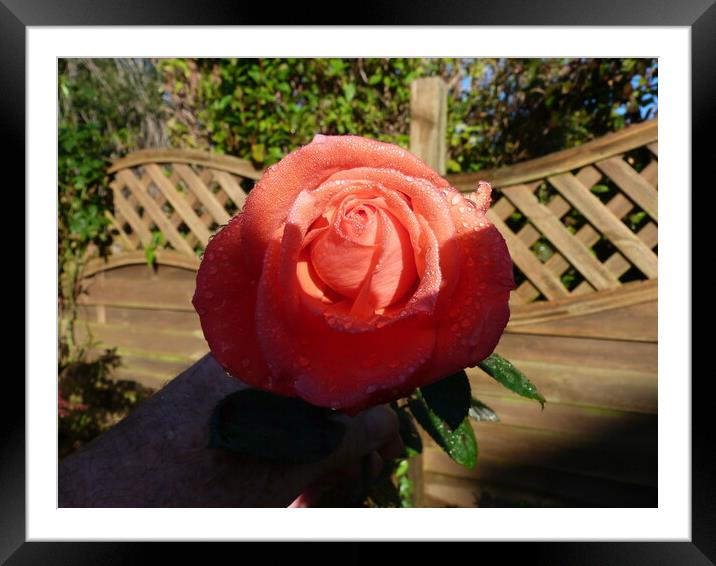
456 199
370 389
461 209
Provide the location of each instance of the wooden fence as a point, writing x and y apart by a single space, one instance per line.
581 226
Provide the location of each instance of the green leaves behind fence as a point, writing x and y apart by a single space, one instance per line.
508 375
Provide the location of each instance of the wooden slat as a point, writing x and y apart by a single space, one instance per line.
577 489
525 293
454 492
589 176
629 323
554 230
633 184
128 244
561 161
127 210
154 293
567 418
545 281
613 455
175 218
577 383
198 157
164 257
634 293
428 121
145 339
202 193
503 208
612 228
231 187
650 173
596 353
160 319
178 202
132 236
157 215
654 148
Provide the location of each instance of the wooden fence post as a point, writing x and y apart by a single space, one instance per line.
428 130
428 121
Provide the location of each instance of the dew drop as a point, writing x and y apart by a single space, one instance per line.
465 224
370 389
461 209
456 199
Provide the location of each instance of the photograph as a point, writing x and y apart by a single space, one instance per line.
358 282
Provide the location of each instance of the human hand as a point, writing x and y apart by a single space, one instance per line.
159 456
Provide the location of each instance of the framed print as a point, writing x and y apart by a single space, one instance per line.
622 497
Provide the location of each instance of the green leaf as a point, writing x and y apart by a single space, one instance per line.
481 412
288 430
449 398
349 91
598 189
508 375
458 443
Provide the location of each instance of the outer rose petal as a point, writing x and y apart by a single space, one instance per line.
225 299
470 327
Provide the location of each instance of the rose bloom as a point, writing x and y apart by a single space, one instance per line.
353 275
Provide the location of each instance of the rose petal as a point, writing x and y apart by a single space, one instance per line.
478 312
225 299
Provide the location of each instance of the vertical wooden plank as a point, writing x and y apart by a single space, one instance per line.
428 141
428 121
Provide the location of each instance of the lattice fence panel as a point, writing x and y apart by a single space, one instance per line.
581 220
184 195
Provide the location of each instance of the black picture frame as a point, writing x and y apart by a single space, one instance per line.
698 15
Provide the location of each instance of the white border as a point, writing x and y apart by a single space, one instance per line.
670 521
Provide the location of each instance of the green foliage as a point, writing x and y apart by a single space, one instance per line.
106 108
500 111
